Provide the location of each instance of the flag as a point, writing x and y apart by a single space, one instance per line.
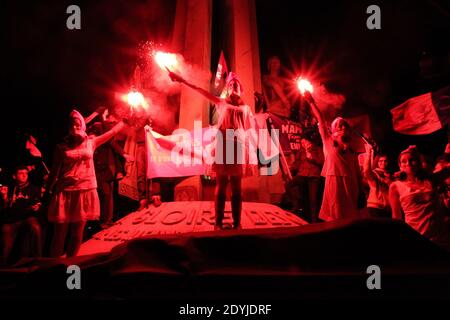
31 147
177 155
188 153
222 71
290 132
423 114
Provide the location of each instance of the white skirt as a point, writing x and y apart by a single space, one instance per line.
74 206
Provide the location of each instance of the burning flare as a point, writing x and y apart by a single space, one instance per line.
304 85
135 99
166 60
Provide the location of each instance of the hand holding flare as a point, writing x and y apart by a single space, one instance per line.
175 77
308 97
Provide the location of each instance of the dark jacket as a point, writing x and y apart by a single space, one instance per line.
19 203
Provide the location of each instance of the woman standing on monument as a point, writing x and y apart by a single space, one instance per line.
230 165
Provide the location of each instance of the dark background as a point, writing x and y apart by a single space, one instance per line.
48 70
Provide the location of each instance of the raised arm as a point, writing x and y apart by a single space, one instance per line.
98 141
94 114
368 165
91 117
209 96
318 115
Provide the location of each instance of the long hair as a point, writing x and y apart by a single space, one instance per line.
414 152
378 157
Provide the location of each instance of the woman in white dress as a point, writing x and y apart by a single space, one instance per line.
73 186
343 180
234 116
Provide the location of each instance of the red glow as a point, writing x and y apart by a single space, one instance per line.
304 85
135 99
166 60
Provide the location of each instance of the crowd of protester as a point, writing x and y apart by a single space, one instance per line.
45 213
330 183
413 190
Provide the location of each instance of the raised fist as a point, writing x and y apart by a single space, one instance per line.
368 147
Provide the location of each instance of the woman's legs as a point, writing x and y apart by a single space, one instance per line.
221 197
236 200
59 239
75 238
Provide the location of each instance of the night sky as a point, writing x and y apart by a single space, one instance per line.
48 70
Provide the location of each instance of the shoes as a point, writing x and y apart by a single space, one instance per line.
237 227
156 201
227 227
143 204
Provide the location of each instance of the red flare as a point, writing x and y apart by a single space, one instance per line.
304 85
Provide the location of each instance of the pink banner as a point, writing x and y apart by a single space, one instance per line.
178 155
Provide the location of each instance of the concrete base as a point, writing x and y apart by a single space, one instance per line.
186 217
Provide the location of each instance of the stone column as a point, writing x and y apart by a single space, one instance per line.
244 48
192 38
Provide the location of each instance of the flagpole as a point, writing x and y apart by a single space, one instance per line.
147 158
45 166
370 142
147 129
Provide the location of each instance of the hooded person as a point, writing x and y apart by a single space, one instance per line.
77 128
75 115
72 185
340 130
